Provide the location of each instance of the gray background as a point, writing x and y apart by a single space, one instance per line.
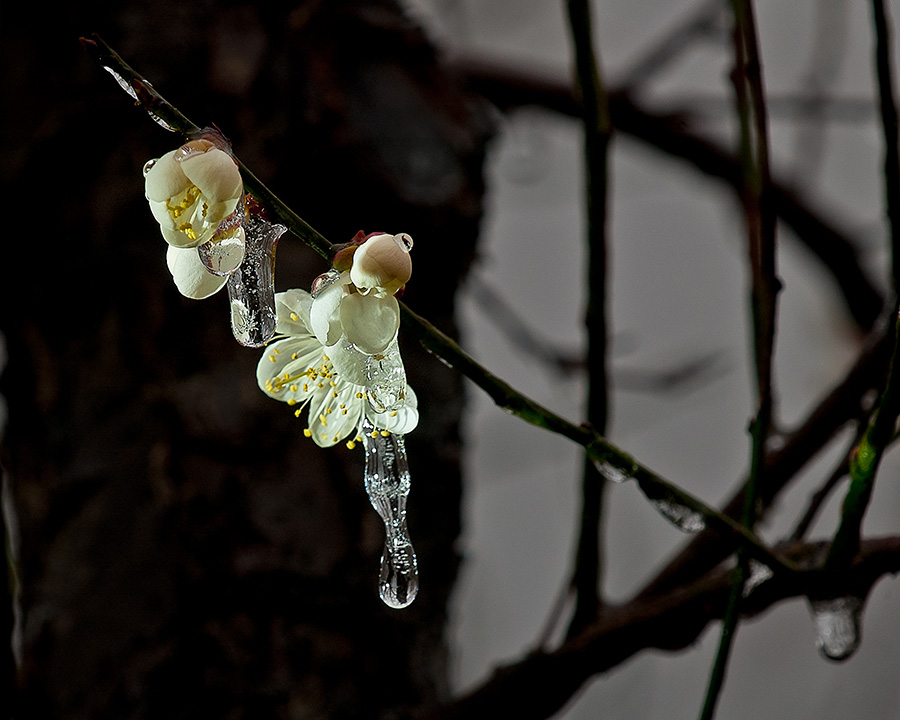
679 291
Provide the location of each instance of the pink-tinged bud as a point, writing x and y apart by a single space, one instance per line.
382 264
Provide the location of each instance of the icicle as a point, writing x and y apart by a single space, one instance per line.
387 484
837 623
386 380
251 288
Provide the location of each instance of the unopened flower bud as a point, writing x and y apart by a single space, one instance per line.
382 264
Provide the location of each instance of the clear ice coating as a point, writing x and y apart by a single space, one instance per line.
611 472
386 379
251 288
759 573
837 623
681 516
223 254
387 484
672 509
123 83
323 281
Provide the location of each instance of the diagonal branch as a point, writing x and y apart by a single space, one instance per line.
597 447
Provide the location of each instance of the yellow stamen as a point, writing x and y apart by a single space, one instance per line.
307 432
350 444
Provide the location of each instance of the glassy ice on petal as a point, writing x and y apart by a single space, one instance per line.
222 256
123 83
387 484
251 288
386 380
759 573
323 281
149 164
611 472
837 623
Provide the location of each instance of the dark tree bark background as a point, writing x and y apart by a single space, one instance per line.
185 552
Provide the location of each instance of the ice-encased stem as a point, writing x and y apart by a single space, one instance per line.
387 484
251 288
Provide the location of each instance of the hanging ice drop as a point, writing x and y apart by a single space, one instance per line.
251 288
387 484
837 622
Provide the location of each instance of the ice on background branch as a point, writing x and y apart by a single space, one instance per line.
387 484
838 625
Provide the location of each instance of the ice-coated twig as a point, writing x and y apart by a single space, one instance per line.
435 341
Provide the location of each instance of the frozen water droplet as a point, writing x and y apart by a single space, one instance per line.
681 516
323 281
123 83
611 472
837 623
386 380
674 510
149 164
223 254
387 484
759 573
251 288
190 149
404 242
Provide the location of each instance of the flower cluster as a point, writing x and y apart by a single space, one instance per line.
338 352
195 194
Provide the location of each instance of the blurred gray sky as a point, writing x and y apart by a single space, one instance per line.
678 293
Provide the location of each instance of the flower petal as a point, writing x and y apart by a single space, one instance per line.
370 322
282 371
191 277
349 363
165 179
292 312
335 414
215 173
324 313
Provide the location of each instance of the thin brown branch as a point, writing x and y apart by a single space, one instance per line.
841 405
540 684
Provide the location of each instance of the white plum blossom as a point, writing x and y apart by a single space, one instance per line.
298 369
191 190
195 194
